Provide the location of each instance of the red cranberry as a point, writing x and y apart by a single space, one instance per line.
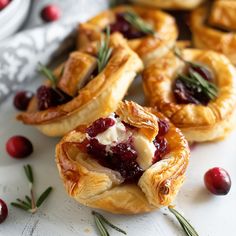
22 99
50 13
217 181
163 127
99 126
3 211
3 4
19 146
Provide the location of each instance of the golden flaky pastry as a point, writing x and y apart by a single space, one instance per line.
94 185
206 36
147 47
198 123
97 98
170 4
223 15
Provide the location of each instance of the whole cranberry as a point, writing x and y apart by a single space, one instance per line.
217 181
19 146
3 4
22 99
3 211
50 13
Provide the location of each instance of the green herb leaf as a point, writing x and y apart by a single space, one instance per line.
43 196
26 204
187 227
138 23
20 206
104 220
208 88
29 173
104 51
101 228
195 80
45 71
28 199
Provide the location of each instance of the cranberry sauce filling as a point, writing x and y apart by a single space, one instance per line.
122 156
124 27
160 141
49 97
185 94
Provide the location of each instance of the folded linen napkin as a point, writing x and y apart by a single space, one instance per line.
38 41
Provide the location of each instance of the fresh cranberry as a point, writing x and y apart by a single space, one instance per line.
22 99
3 211
163 127
124 27
50 13
3 4
19 146
203 71
99 126
217 181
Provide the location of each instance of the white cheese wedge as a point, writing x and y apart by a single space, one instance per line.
145 150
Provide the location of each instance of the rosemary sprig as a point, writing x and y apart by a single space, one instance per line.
29 204
104 51
195 80
100 222
45 71
138 23
187 227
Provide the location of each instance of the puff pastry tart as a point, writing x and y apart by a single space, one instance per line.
171 4
82 93
149 32
218 32
196 91
129 162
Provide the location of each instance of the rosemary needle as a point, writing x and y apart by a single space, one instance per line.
101 221
187 227
104 51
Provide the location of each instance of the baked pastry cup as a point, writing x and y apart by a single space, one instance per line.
91 98
199 117
223 15
131 162
206 36
171 4
146 44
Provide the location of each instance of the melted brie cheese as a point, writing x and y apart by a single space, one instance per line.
114 134
145 150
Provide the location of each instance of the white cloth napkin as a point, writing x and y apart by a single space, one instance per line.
39 42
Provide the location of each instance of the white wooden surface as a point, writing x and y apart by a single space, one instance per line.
60 215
